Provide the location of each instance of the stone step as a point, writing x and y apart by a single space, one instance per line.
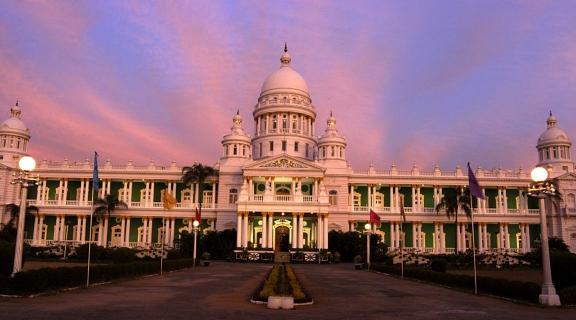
282 257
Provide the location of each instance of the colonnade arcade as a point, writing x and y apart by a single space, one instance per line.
281 231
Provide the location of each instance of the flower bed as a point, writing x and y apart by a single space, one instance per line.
282 281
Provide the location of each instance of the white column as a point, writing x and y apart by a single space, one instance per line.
264 230
82 229
57 229
414 236
62 228
35 232
295 231
106 232
392 235
196 196
60 190
505 195
127 233
81 194
271 230
150 229
65 195
369 196
351 196
39 192
507 235
152 194
122 231
319 233
129 203
301 230
214 196
239 230
245 234
325 233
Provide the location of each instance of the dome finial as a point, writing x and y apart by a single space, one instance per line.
16 102
237 112
285 59
551 121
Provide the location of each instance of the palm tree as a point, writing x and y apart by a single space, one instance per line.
198 173
8 231
452 203
103 207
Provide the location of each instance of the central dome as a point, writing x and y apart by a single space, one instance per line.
285 80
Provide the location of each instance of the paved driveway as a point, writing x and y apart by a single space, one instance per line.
222 290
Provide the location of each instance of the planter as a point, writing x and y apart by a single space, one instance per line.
358 266
280 302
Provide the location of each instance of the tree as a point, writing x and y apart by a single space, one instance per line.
198 173
452 203
103 207
8 231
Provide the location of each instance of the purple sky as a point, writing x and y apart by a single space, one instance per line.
409 81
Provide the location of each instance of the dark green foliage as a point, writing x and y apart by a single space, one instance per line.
123 255
46 279
439 264
220 244
568 295
97 252
563 269
557 244
351 244
501 287
8 232
103 207
6 257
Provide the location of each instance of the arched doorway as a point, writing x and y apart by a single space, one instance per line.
282 239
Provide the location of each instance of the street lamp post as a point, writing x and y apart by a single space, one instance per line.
543 188
195 224
368 228
23 178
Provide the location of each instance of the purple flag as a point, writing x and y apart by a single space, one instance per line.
475 189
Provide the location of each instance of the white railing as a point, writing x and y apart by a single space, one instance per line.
283 198
307 198
360 209
71 202
256 197
51 202
534 211
135 204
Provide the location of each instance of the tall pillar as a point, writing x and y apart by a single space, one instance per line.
151 199
127 233
392 235
105 232
214 194
245 234
271 230
239 230
264 239
319 233
295 230
325 232
369 196
301 231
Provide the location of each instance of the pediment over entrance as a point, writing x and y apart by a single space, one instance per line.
284 164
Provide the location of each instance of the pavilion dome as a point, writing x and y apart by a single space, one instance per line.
285 79
14 123
553 134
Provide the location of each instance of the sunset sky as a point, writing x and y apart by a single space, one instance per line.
420 82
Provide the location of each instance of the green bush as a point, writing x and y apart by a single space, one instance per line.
123 255
6 257
46 279
563 269
501 287
568 295
439 264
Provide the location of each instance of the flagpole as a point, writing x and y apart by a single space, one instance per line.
162 235
473 247
401 251
90 240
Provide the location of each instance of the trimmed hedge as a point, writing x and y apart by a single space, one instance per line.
47 279
568 295
499 287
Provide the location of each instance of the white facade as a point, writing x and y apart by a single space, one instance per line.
286 188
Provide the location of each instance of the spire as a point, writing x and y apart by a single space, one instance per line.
16 102
15 111
551 121
285 58
237 112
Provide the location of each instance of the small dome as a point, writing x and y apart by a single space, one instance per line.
14 122
553 134
285 79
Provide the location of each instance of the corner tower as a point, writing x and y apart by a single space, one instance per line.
14 137
554 149
332 146
284 116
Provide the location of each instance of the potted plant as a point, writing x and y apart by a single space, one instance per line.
206 258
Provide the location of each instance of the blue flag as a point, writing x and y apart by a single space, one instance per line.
475 189
95 174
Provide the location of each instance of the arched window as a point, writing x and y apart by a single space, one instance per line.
235 149
233 196
571 202
274 122
244 150
333 197
332 151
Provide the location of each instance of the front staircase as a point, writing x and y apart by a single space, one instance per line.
281 257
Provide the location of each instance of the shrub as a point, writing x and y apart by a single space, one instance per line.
123 255
563 269
501 287
439 264
6 257
568 295
45 279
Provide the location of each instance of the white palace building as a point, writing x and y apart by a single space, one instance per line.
286 187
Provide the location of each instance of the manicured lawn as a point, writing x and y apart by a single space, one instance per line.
528 275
